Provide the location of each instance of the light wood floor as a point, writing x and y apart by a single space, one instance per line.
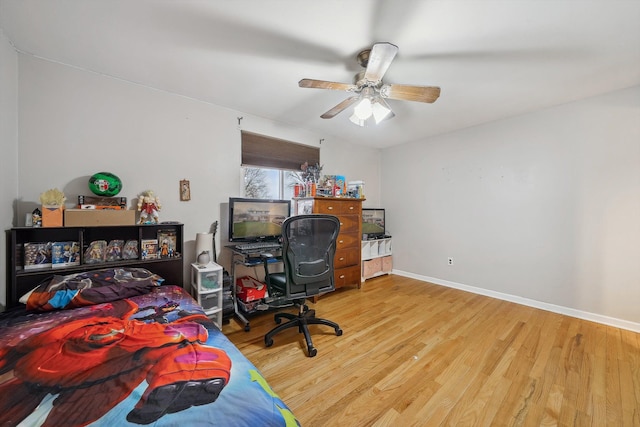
418 354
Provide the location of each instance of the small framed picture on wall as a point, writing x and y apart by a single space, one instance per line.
185 190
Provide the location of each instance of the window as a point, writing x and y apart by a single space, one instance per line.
264 183
271 166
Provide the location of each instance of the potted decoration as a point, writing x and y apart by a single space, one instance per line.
52 202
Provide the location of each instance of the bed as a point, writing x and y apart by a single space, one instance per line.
121 348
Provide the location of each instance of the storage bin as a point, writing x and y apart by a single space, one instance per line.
371 267
387 264
209 301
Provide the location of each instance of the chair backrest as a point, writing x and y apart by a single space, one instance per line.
308 248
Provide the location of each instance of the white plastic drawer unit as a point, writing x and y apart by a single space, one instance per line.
207 278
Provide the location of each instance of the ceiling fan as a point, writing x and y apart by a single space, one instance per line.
369 90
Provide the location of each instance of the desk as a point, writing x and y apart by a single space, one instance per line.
247 259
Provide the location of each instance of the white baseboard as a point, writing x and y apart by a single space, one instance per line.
593 317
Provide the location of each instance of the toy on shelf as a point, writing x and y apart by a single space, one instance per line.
52 198
95 253
52 207
130 250
105 184
36 218
149 207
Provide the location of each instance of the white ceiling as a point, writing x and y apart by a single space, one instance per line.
492 58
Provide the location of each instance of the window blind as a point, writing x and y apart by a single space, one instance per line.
267 152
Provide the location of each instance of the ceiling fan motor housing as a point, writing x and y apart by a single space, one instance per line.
363 58
360 81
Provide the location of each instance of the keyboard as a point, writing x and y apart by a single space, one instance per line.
253 246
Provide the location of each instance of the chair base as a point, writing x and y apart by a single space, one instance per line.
301 320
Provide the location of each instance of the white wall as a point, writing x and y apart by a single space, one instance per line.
8 145
74 123
544 207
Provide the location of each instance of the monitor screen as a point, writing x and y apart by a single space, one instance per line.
253 220
373 222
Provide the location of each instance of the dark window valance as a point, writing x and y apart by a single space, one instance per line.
267 152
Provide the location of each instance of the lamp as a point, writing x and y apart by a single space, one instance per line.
370 104
204 244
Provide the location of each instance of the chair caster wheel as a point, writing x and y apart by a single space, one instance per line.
312 351
338 332
268 342
247 328
278 320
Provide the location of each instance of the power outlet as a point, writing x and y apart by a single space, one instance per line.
450 261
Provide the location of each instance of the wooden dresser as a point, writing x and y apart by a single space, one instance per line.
349 211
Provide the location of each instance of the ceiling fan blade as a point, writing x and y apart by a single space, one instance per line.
379 60
410 93
340 107
322 84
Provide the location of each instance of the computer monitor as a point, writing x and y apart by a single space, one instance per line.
255 220
373 223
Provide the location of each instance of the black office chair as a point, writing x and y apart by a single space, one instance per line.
308 248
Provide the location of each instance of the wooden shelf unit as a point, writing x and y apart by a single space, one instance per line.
20 281
377 258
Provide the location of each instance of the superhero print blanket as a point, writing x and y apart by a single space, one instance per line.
151 359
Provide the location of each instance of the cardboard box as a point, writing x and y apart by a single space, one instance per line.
89 217
52 217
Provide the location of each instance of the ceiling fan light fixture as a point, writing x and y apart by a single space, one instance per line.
370 105
371 89
356 120
380 110
363 109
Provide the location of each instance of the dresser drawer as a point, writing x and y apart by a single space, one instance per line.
348 240
346 258
349 223
353 207
347 276
336 207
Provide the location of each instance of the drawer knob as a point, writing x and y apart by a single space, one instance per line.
330 208
342 276
341 259
351 207
340 241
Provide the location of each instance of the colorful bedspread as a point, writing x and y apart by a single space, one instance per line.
153 359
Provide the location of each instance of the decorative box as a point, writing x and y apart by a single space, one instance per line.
52 216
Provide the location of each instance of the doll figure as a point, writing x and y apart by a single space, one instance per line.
148 205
